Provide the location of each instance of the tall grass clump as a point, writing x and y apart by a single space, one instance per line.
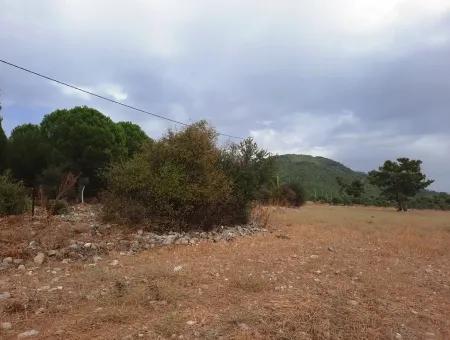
13 196
183 181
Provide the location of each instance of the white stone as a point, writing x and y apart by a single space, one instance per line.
177 268
28 334
114 263
7 260
6 325
5 295
39 258
353 302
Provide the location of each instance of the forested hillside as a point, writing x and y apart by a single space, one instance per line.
318 175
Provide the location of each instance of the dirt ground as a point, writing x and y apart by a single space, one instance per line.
321 272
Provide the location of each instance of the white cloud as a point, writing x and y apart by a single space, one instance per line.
111 91
305 133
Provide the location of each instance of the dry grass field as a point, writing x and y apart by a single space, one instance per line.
321 272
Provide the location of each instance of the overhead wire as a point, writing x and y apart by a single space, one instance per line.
103 97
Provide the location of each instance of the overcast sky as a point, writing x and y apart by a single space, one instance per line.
356 81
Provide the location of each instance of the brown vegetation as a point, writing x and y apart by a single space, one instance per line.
322 272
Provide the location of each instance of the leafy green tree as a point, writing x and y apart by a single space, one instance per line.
85 140
135 137
28 153
399 180
250 167
355 188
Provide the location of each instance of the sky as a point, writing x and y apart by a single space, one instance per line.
356 81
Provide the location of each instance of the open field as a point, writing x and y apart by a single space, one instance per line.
322 272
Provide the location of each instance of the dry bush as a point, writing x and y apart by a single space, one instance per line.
260 215
58 205
13 196
175 183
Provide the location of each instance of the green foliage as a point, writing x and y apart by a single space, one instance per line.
430 200
355 189
85 140
28 152
134 137
58 207
13 196
176 182
292 194
3 145
400 180
250 168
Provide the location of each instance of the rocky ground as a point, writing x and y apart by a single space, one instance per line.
81 235
318 272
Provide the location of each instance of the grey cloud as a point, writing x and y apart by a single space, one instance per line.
290 74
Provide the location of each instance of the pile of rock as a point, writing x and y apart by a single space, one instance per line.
146 240
9 262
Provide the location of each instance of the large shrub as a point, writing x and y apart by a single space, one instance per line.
176 182
286 194
13 196
250 170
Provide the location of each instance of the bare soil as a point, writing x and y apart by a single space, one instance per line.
322 272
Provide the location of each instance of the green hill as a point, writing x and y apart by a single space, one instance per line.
318 175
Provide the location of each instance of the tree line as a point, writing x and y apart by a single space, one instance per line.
401 183
184 179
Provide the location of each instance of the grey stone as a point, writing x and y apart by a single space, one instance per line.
52 252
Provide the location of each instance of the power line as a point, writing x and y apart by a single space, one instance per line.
103 97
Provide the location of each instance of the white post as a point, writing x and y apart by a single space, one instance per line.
82 194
